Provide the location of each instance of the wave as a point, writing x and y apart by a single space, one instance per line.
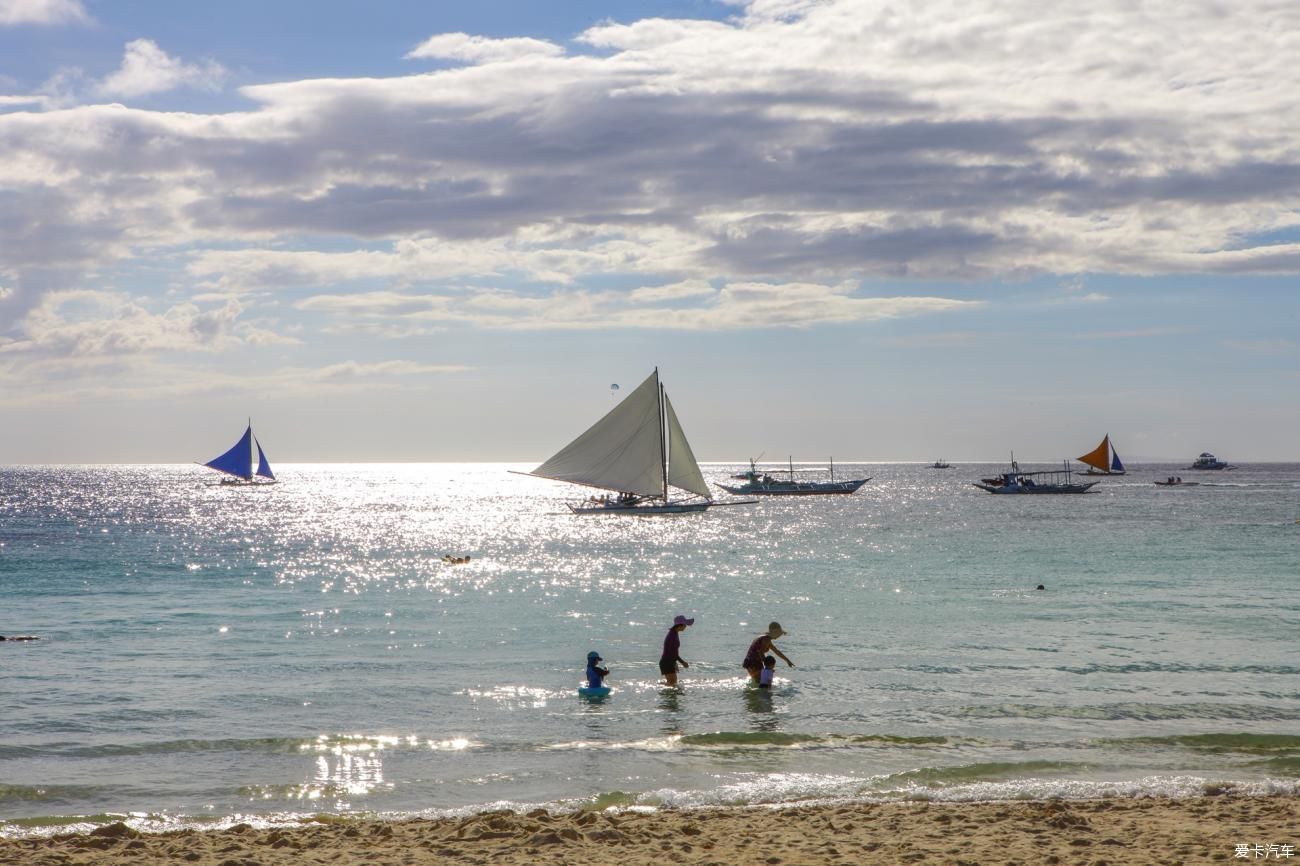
942 777
990 782
331 743
758 740
1219 743
52 794
1130 711
775 738
1179 668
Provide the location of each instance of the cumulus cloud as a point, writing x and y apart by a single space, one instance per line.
14 12
480 49
758 172
147 69
90 324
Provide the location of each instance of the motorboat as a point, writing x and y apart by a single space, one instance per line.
1208 461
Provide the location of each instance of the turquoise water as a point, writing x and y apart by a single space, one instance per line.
213 655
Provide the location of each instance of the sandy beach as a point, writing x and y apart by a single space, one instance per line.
1206 830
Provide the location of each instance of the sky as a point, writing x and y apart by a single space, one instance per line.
410 231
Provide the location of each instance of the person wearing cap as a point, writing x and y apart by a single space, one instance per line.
761 646
672 649
595 673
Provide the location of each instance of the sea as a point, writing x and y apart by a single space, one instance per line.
212 655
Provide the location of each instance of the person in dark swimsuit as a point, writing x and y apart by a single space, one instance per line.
761 646
673 648
595 673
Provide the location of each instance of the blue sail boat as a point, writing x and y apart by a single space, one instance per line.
238 461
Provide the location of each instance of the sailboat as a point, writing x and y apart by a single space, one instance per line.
1103 460
238 461
638 451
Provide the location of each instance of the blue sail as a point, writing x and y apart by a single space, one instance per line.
1115 465
238 461
263 468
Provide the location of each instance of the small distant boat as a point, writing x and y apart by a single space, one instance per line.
1208 461
1174 481
1103 460
762 484
637 451
941 464
1015 481
239 462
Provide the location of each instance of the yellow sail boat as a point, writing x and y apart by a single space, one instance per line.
1103 460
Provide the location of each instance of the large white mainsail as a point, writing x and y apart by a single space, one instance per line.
622 451
683 470
638 449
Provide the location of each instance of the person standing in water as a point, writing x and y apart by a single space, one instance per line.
761 646
672 655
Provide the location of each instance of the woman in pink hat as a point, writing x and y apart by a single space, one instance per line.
672 649
761 646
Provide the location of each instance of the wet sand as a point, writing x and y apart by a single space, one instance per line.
1097 833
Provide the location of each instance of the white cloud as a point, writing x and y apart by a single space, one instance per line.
41 12
351 371
89 324
147 69
688 306
481 49
735 174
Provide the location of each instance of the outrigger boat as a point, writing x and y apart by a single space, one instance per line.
1015 481
238 462
762 484
1103 460
637 451
1175 481
941 464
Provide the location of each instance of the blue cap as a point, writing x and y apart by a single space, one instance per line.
594 656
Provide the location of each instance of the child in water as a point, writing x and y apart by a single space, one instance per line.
595 673
769 671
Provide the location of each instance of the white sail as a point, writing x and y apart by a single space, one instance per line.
683 470
622 451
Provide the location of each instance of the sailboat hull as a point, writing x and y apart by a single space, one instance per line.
649 508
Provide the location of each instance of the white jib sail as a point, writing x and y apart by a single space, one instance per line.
683 470
622 451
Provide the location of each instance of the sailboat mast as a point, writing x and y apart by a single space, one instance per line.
663 447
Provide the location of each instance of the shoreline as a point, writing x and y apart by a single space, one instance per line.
1116 832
